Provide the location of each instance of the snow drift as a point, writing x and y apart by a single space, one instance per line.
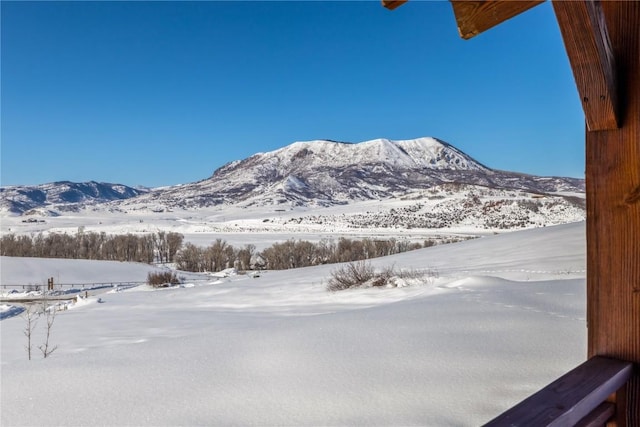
504 318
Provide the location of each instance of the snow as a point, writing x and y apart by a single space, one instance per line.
313 174
504 317
24 271
424 152
7 310
403 218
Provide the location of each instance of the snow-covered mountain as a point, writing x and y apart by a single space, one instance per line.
422 183
326 173
47 199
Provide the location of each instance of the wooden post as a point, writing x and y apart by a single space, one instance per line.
613 216
586 39
602 40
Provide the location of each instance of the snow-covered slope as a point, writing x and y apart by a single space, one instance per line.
455 206
47 199
27 271
447 189
504 317
403 154
325 173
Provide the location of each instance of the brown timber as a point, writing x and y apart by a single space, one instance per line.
586 39
473 17
392 4
613 216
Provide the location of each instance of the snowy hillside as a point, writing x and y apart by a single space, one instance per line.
325 173
502 317
455 207
63 196
404 154
315 186
442 213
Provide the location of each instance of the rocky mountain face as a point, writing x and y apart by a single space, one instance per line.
420 183
63 196
326 173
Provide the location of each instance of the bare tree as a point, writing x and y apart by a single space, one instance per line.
244 255
146 247
190 258
216 256
161 246
325 251
279 255
174 242
304 254
50 317
30 315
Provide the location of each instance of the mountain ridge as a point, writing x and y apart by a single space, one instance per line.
306 174
46 199
325 173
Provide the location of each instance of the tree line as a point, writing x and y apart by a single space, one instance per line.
167 247
148 248
288 254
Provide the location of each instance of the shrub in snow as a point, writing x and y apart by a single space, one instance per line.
162 279
362 274
351 275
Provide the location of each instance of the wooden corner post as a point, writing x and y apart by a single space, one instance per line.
602 39
613 214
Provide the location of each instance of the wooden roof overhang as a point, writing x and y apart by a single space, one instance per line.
602 40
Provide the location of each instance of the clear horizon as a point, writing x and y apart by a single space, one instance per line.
164 93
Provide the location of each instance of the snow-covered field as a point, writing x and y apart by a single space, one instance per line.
504 316
416 217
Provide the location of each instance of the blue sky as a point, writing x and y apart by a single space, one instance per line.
160 93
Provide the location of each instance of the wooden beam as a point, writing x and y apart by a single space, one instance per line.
475 16
613 216
392 4
570 398
586 39
599 416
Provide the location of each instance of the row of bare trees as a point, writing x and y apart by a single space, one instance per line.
217 256
284 255
300 253
166 247
148 248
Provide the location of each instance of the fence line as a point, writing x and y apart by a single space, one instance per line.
72 285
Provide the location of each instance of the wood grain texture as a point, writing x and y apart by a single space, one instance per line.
473 17
599 416
392 4
613 215
569 399
586 39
